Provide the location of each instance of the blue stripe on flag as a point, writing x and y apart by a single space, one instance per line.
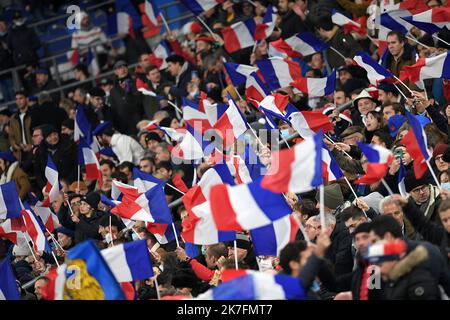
138 259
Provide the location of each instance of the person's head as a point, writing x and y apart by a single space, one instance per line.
340 97
353 217
434 3
82 18
444 176
41 77
68 127
386 254
438 156
121 69
37 136
163 170
324 26
283 6
243 247
51 135
65 237
344 75
396 43
384 227
162 152
106 84
247 9
107 167
203 43
391 109
152 139
144 61
6 158
146 165
39 286
365 105
352 135
361 236
81 72
444 214
126 167
104 133
75 202
419 189
313 227
387 93
89 204
213 254
381 138
374 121
152 73
390 207
97 97
174 65
333 198
80 95
293 257
21 100
109 224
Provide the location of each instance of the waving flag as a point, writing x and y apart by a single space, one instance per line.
128 18
143 88
246 167
49 219
437 67
275 104
174 134
82 126
11 229
238 73
9 289
36 231
159 55
331 169
347 23
401 180
265 29
308 123
9 201
52 187
152 11
93 268
392 20
214 111
239 35
375 72
301 45
90 162
129 261
193 146
316 87
194 115
271 239
298 169
416 144
162 232
279 73
431 21
92 64
54 288
199 227
232 124
255 89
379 159
199 6
249 285
144 181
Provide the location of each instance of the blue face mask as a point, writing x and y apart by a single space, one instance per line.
445 185
285 133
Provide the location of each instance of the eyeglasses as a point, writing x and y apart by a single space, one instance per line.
439 158
310 226
75 203
422 189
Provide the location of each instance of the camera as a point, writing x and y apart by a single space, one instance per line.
398 153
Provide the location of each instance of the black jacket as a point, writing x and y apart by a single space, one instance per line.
179 90
24 43
340 253
47 113
291 24
87 228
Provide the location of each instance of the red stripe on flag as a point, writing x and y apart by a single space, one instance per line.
231 40
188 225
294 69
278 177
225 129
374 173
301 84
222 210
413 148
231 274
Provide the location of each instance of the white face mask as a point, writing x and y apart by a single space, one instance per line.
135 237
108 238
265 264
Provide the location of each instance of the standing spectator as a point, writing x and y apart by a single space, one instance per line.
97 104
45 83
181 70
20 127
10 171
5 116
47 112
399 53
291 22
6 62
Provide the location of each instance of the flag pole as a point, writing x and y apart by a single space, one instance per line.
396 78
334 143
194 179
175 188
56 260
433 174
338 53
400 91
322 207
54 240
27 241
437 38
176 235
110 230
235 256
207 27
175 106
165 22
387 186
287 144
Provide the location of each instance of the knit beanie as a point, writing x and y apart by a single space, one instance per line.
333 196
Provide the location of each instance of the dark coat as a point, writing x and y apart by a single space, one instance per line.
47 113
179 90
343 43
291 24
49 85
340 253
87 228
24 43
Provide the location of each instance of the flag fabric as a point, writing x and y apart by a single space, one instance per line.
301 45
298 169
251 285
255 89
52 187
437 67
238 73
36 231
331 169
9 201
97 281
345 22
246 206
82 127
239 35
264 30
174 134
152 11
278 72
275 104
271 239
232 124
129 261
92 63
90 162
143 88
379 159
128 17
401 180
54 288
391 20
246 167
162 232
194 115
199 6
308 123
316 87
431 21
144 181
10 229
214 111
193 146
49 219
159 55
8 283
416 144
375 72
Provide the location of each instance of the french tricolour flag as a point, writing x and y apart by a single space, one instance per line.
375 72
82 126
193 146
214 111
35 230
199 6
275 104
129 261
162 232
49 219
128 18
300 45
308 123
199 227
238 73
194 115
342 21
143 88
54 289
152 12
379 159
392 20
9 201
401 180
246 206
437 67
92 64
239 35
431 21
416 145
271 239
232 124
174 134
52 187
255 89
144 181
265 29
331 169
316 87
10 230
89 160
8 283
251 285
159 55
278 72
298 169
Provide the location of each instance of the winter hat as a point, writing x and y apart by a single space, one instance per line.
346 116
411 182
165 122
21 251
66 231
68 123
381 252
115 221
242 242
152 136
394 124
47 130
333 196
97 92
7 156
439 149
92 199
